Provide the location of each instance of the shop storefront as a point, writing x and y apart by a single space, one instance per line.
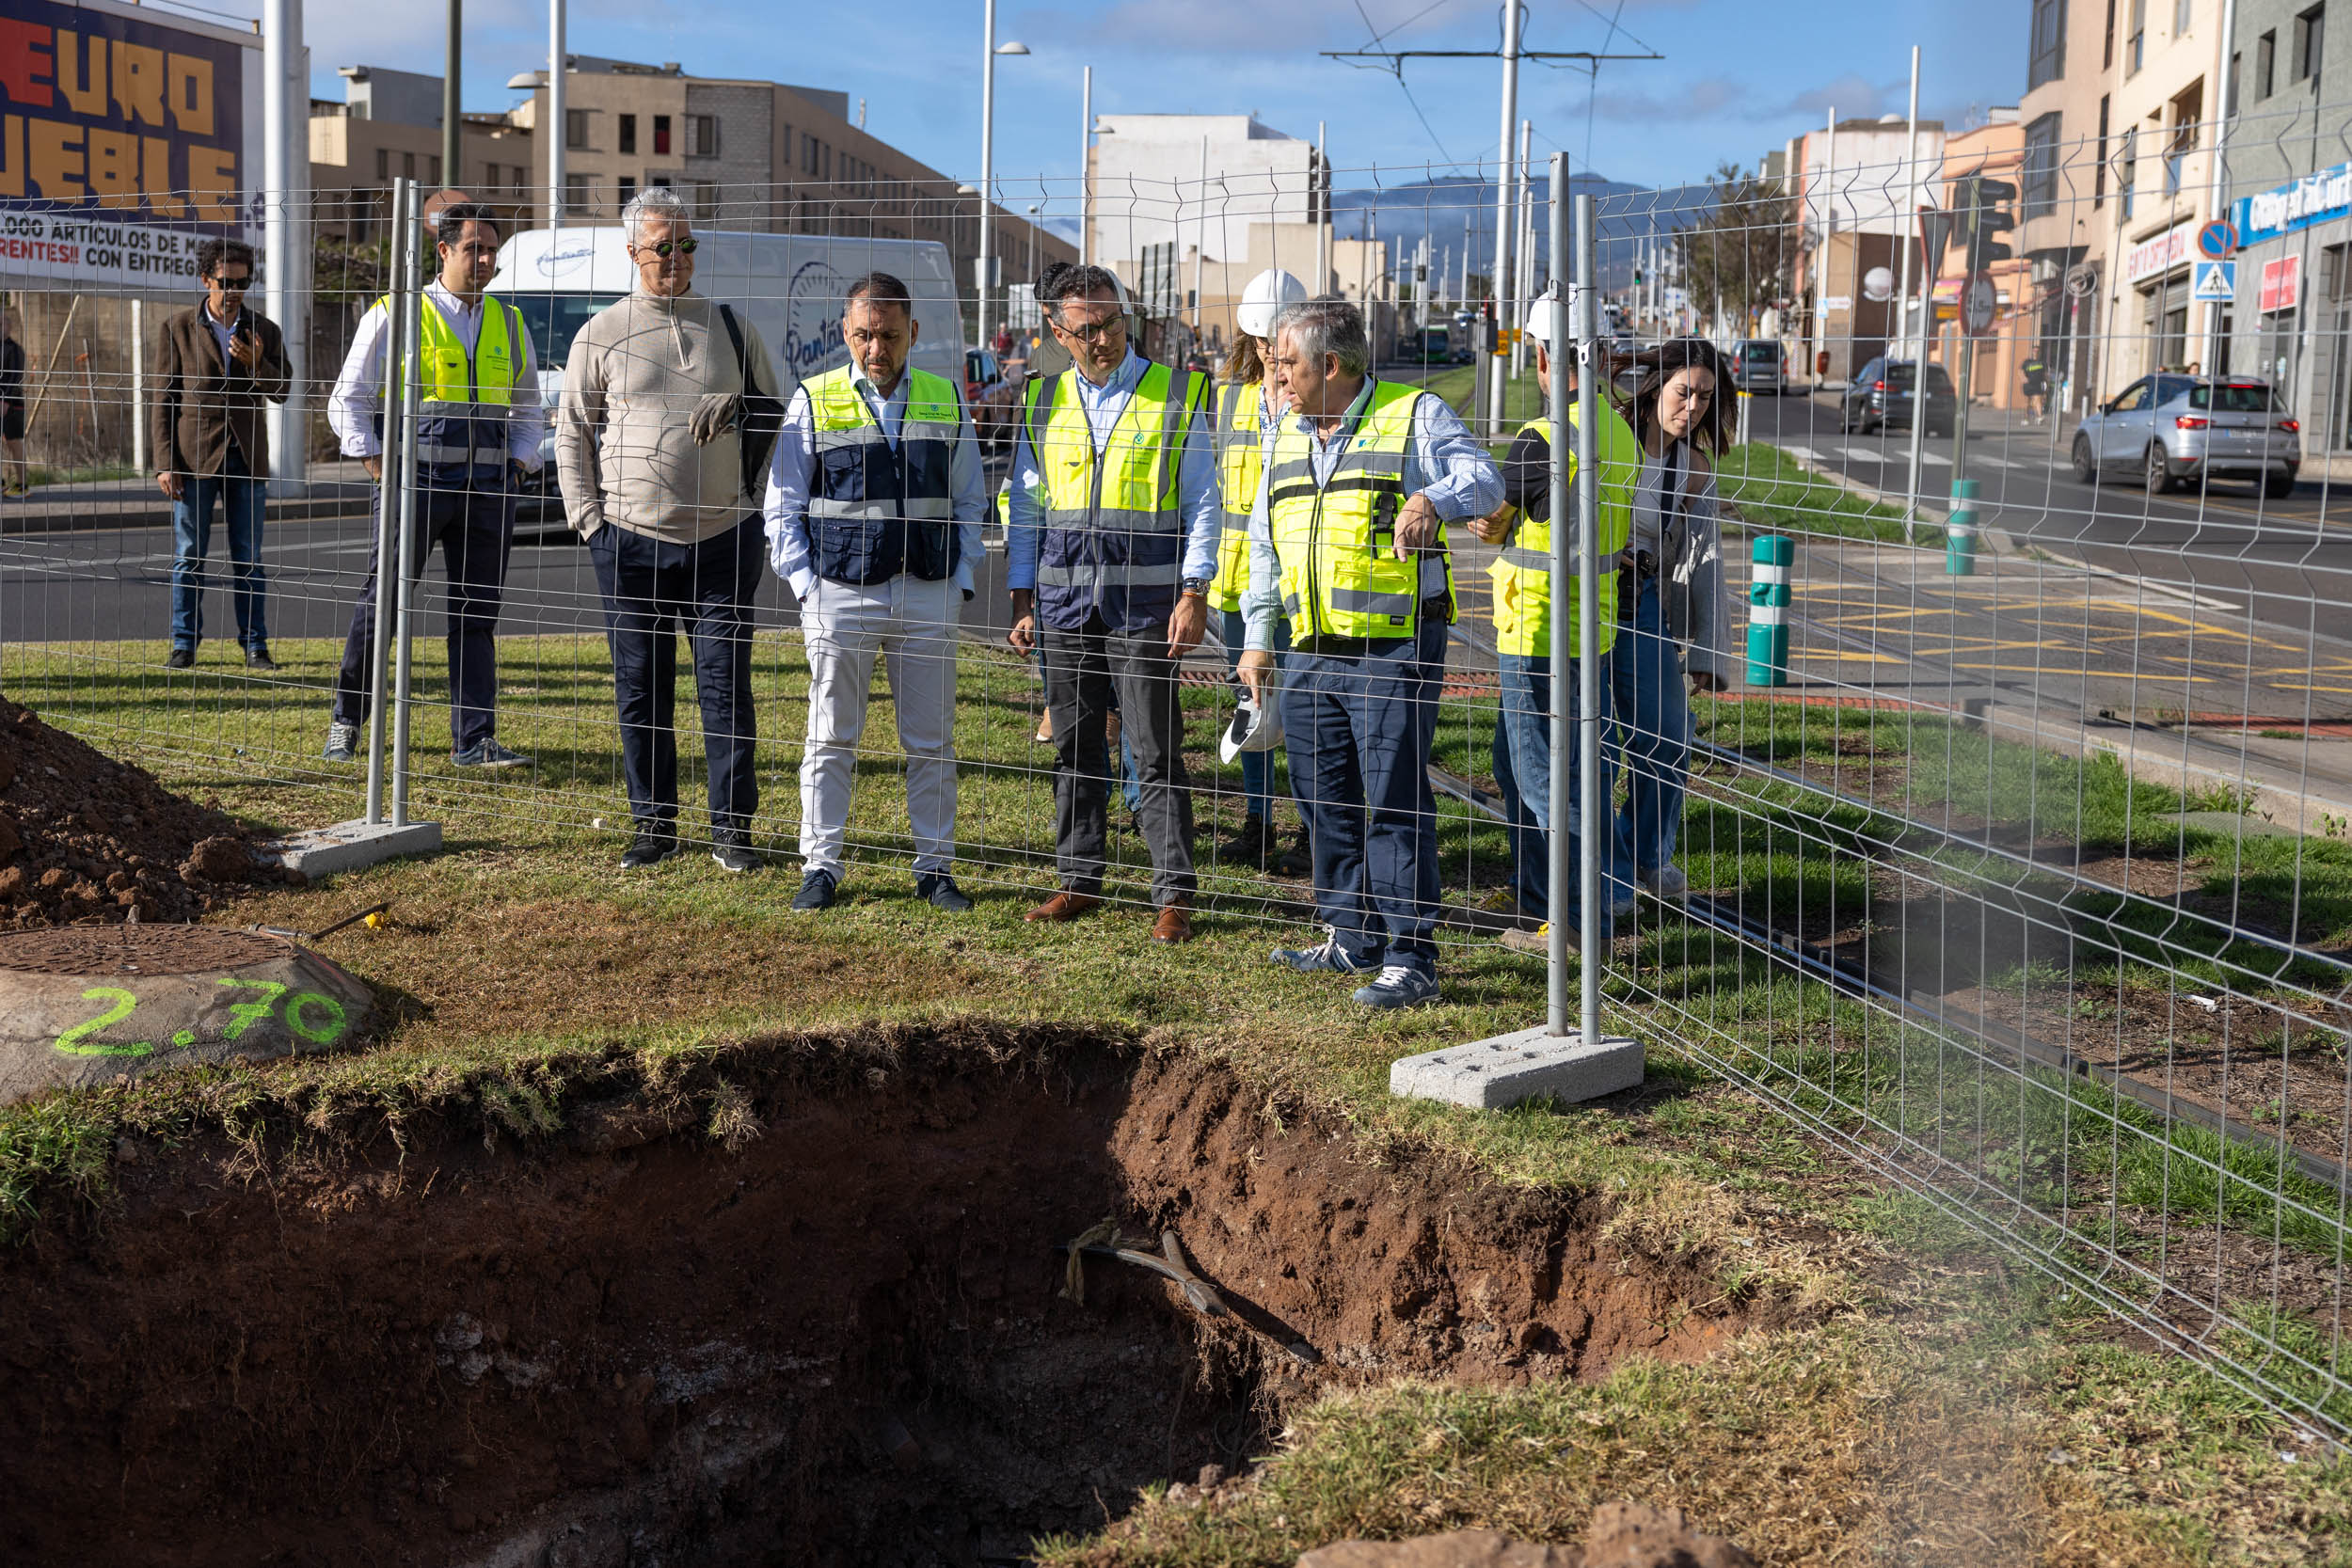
2156 270
2293 319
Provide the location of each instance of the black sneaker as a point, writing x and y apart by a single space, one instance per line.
654 844
732 849
257 657
1250 845
939 890
1297 860
181 658
816 891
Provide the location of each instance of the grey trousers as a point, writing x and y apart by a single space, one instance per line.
1082 667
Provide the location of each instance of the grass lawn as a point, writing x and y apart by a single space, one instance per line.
1946 1406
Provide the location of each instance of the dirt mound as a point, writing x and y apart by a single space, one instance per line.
850 1341
86 838
1622 1535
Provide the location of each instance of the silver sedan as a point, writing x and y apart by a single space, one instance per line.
2172 428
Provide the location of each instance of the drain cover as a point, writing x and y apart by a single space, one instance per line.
85 1005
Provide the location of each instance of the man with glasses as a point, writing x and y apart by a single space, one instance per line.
477 429
669 409
217 367
1110 547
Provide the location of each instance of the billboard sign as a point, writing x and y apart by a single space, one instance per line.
126 139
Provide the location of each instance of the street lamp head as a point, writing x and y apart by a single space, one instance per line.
1012 49
967 190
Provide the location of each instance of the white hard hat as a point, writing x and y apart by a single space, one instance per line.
1541 311
1263 299
1250 730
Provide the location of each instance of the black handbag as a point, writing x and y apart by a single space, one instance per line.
763 415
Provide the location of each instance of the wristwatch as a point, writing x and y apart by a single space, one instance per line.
1196 588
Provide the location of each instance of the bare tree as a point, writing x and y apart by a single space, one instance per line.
1736 258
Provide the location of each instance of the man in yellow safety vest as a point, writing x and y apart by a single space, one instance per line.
477 430
1348 538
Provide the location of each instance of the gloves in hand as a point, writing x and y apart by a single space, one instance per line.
715 414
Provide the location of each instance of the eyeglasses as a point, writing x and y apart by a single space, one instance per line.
1092 332
687 246
235 285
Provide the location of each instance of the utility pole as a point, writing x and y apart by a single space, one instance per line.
1525 275
285 232
555 129
1319 208
1926 287
1506 197
988 164
1086 170
451 118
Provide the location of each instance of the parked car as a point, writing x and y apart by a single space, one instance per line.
1880 398
1757 365
993 396
2172 428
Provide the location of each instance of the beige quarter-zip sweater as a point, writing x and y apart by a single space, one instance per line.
624 451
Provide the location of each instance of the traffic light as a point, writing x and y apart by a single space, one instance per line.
1983 207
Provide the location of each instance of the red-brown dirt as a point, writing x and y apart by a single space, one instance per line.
86 838
847 1343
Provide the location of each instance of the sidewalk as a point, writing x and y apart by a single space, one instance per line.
336 489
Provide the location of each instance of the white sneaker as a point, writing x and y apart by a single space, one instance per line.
1668 882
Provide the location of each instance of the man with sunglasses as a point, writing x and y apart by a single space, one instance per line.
1110 545
217 367
669 408
477 428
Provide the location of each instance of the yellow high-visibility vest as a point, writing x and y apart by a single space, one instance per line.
1240 453
1337 537
1113 531
462 399
1522 573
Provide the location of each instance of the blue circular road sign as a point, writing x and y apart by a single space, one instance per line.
2217 239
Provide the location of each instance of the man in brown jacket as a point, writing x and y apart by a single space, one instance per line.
217 366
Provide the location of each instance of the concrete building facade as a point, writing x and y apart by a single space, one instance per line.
1196 182
1852 193
2064 187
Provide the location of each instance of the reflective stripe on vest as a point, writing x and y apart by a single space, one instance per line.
463 398
864 493
1240 451
1336 538
1522 571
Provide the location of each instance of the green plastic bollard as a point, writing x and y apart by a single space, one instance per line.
1767 609
1959 530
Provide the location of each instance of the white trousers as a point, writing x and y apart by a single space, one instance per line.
912 625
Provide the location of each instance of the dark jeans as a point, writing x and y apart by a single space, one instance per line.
1082 667
242 497
1524 773
1358 730
475 529
652 593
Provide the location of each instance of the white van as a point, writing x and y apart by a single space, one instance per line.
790 286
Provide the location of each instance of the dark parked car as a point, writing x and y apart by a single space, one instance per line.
1757 366
1880 398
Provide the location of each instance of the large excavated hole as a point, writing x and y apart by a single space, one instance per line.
847 1341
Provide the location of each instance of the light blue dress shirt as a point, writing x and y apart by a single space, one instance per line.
1196 479
795 459
1444 461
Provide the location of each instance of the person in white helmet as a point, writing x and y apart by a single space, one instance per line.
1246 403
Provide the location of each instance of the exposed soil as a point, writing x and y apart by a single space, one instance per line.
847 1341
86 838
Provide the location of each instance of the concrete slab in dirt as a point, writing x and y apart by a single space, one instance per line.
84 1005
349 845
2230 824
1532 1064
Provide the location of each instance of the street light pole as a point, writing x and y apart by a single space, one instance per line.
1086 170
987 161
1506 196
449 96
554 130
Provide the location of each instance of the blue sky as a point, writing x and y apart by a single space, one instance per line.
1738 76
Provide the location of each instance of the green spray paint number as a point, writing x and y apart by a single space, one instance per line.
244 1015
71 1041
317 1034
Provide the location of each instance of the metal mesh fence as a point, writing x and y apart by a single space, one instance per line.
1972 708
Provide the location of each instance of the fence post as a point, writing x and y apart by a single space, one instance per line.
1767 609
1557 433
398 352
411 306
1596 821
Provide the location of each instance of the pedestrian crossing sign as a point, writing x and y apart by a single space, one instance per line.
2214 284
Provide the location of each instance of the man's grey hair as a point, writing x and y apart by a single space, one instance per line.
654 201
1327 326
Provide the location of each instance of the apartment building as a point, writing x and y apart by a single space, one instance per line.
2064 183
388 127
1197 182
1854 189
2291 189
2162 103
1997 150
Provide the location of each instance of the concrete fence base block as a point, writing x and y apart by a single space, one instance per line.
349 845
1532 1064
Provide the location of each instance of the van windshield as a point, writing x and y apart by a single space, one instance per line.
555 320
1759 351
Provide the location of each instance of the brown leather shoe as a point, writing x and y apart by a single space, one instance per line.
1174 923
1063 906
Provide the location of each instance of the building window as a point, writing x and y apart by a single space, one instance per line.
702 136
2135 44
2037 189
2189 110
2310 31
2266 65
576 128
576 193
382 162
433 166
629 189
2229 87
2048 55
2127 168
2099 174
627 137
661 135
407 165
2106 61
2180 17
490 176
705 197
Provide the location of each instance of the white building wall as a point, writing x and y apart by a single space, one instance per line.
1147 187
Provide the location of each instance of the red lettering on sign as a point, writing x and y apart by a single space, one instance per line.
27 67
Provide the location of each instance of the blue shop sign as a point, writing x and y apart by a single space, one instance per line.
2297 204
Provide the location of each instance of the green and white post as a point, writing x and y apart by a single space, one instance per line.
1767 609
1959 530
